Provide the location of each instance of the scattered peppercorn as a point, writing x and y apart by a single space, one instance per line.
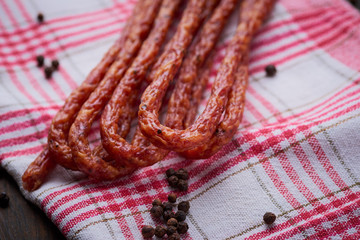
167 206
172 222
182 227
40 18
170 230
157 202
159 131
160 231
182 185
40 60
168 214
174 236
147 231
184 206
180 215
173 181
269 218
156 211
48 72
270 70
55 64
4 200
170 172
182 174
172 197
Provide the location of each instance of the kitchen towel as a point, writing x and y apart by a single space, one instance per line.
296 152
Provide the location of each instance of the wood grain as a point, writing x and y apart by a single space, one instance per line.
22 220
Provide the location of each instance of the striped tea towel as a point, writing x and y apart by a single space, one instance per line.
296 153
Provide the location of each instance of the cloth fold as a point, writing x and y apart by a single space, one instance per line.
295 154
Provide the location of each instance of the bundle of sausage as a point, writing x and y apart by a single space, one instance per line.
112 89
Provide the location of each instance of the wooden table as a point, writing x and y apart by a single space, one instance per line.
22 220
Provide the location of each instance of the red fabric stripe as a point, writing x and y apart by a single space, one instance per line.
313 21
314 32
52 51
322 105
247 137
53 84
28 123
338 227
23 152
268 105
313 213
340 32
47 43
87 18
35 84
301 16
23 139
17 83
23 112
317 118
323 159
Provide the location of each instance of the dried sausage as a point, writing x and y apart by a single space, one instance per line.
252 15
86 161
232 117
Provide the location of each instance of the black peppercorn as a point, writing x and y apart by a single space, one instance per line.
173 181
269 218
180 215
182 185
184 206
170 230
168 214
40 18
55 64
270 70
48 72
172 222
4 200
170 172
157 202
182 174
156 211
160 231
159 131
172 197
174 236
40 60
182 227
147 231
167 206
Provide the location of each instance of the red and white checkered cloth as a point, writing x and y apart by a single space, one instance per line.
296 152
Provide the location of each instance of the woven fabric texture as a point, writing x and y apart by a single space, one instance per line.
296 152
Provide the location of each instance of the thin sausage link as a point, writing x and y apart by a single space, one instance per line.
118 147
37 171
139 139
209 7
252 14
88 163
232 117
61 123
57 149
197 91
140 152
179 103
125 95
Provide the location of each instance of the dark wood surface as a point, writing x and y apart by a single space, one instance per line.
22 220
